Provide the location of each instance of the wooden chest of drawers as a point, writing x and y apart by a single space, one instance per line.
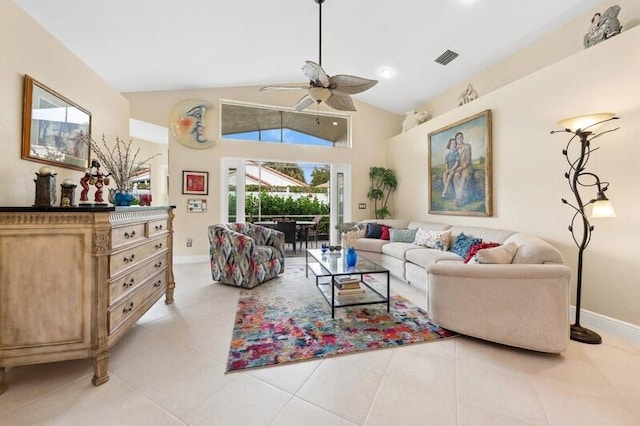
73 281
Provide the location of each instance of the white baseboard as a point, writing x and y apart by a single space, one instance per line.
614 326
190 259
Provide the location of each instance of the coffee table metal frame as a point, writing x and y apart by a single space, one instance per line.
329 267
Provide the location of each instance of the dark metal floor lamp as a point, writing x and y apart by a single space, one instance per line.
583 129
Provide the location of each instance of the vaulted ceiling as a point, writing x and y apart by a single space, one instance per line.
148 45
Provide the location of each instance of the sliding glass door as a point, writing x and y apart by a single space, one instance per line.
254 189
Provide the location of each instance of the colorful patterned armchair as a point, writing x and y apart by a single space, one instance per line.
244 254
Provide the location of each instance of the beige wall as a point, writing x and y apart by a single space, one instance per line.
371 127
28 49
528 165
548 50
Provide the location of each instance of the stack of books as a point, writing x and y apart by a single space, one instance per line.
348 286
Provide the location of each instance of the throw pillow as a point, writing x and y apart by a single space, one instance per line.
433 239
385 233
472 252
502 254
403 235
463 243
373 230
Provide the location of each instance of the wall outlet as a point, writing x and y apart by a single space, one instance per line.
189 242
362 206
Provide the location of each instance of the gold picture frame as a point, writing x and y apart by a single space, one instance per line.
52 128
460 168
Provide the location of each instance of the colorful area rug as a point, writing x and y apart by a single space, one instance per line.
287 319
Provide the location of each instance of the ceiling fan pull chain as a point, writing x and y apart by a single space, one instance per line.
320 32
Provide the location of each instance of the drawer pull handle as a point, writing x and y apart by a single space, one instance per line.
128 308
129 259
128 284
158 265
159 246
157 283
130 235
158 227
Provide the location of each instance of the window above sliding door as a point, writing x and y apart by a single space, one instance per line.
270 124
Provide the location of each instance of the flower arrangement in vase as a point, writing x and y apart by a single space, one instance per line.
121 163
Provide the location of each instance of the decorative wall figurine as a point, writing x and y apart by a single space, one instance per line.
414 118
603 26
468 95
187 123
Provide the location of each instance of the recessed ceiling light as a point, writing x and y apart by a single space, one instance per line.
335 123
386 72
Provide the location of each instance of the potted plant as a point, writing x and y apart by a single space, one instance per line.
383 183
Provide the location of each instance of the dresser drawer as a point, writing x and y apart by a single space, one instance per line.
119 312
127 234
125 284
157 227
127 258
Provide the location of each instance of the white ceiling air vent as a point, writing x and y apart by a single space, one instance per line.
446 57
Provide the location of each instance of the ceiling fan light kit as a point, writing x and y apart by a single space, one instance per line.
334 90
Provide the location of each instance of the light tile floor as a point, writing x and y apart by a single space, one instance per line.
169 370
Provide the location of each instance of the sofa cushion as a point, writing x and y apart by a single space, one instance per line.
369 244
392 223
433 239
263 254
395 266
486 234
385 235
474 249
425 257
398 250
403 235
463 243
431 226
373 230
533 250
502 254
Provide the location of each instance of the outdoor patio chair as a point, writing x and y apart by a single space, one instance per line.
311 232
289 231
244 254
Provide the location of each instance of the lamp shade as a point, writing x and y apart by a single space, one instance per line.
588 122
602 208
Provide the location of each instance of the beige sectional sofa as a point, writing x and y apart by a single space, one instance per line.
524 303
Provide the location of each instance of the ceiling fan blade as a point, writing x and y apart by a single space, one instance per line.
316 74
282 88
350 84
304 102
340 101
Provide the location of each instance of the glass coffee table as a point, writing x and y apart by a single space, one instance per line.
330 267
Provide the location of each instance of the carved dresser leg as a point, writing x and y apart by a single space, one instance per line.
3 385
100 373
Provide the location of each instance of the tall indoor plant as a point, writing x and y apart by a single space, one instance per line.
383 183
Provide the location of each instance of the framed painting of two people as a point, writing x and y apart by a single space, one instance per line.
460 167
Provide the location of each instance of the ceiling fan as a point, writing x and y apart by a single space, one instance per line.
332 90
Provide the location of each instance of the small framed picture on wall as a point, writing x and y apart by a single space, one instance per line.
195 182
